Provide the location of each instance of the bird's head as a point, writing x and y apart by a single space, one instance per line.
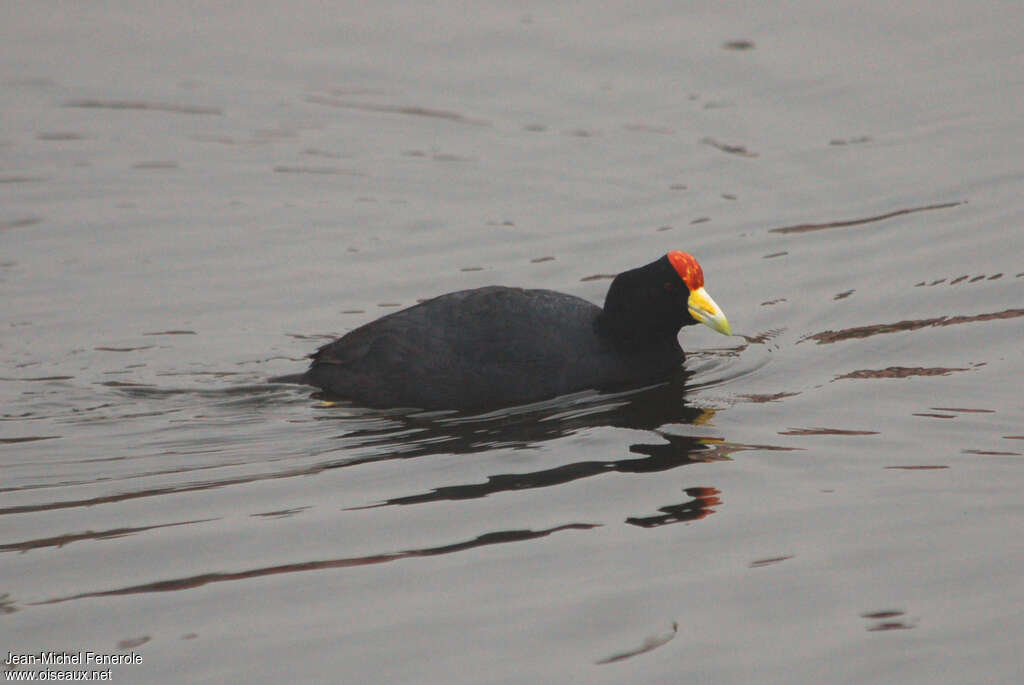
699 305
649 304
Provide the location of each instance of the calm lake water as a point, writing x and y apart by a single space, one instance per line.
194 198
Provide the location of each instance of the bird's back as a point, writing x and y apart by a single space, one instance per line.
472 348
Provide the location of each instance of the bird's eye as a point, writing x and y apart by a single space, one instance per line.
669 285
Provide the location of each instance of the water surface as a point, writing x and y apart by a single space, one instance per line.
193 201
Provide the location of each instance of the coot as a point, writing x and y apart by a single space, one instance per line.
499 346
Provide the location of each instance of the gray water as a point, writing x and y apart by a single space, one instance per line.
194 198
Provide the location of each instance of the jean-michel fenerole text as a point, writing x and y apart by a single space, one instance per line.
81 658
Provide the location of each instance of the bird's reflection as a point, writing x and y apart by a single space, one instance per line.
697 508
679 451
651 409
403 435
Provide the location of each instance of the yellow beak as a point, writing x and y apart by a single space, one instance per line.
703 309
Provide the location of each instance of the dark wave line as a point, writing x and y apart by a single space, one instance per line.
830 336
189 582
806 228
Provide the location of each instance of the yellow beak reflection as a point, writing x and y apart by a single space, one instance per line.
703 309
